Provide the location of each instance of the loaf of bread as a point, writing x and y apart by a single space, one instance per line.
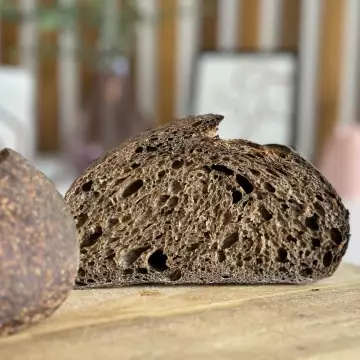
39 250
179 205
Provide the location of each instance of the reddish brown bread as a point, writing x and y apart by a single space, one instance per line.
39 250
179 205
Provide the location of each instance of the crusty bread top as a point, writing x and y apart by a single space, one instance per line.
178 204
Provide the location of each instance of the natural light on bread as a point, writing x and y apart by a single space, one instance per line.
179 205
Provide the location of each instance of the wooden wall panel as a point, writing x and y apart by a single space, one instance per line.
88 37
9 40
209 24
329 69
47 97
249 24
329 61
290 24
167 61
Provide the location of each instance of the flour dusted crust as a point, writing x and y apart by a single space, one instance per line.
178 205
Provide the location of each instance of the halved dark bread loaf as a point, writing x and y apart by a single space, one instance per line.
179 205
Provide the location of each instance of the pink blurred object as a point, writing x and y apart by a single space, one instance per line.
340 161
340 164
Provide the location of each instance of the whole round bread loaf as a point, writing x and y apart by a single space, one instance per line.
179 205
39 250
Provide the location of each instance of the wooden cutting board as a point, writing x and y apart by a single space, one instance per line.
320 321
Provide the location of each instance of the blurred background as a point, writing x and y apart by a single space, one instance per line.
78 77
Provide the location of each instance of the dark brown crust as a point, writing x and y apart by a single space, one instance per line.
178 205
38 245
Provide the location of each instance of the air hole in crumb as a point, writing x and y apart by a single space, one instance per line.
131 256
192 247
319 197
315 243
87 186
255 172
327 259
173 202
221 257
291 238
336 236
319 208
139 149
112 222
120 181
177 164
227 218
197 123
244 183
331 194
307 272
236 196
81 219
230 240
272 172
161 174
133 188
258 249
282 255
164 198
81 272
110 254
281 171
223 169
126 218
175 275
151 148
311 222
266 215
269 187
91 239
157 261
176 186
141 270
135 165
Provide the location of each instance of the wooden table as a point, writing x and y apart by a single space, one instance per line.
320 321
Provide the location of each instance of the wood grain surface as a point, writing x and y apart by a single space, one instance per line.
318 321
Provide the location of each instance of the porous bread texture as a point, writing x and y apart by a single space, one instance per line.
179 205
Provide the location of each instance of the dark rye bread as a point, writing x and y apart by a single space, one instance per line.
39 251
179 205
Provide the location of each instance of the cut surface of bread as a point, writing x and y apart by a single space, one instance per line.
179 205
